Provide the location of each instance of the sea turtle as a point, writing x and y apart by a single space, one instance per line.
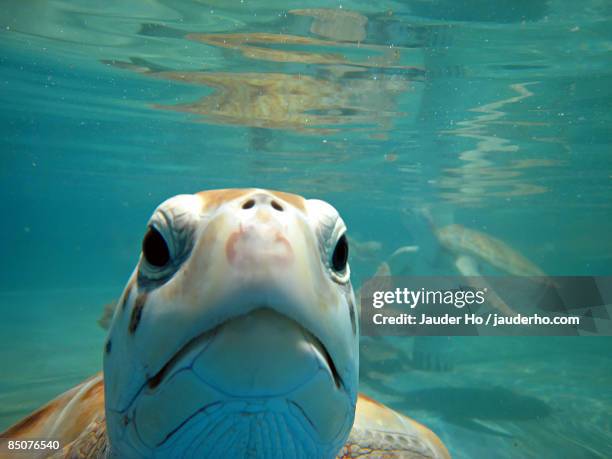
236 336
469 247
466 242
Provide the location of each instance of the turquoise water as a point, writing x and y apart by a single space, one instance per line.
494 114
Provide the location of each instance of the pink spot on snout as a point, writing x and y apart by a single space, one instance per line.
257 245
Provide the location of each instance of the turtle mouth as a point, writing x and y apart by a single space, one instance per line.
201 341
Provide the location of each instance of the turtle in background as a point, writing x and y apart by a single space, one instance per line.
469 249
469 246
236 336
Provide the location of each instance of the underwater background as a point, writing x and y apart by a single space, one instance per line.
492 114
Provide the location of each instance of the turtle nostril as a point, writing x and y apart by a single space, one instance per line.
276 206
248 204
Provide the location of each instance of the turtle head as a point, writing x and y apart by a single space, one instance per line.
237 333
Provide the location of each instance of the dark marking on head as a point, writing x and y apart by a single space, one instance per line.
154 381
141 300
332 367
348 289
108 346
126 296
351 305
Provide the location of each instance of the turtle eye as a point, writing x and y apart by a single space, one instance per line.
340 255
155 249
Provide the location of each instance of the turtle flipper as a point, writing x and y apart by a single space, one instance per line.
63 418
379 432
91 444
